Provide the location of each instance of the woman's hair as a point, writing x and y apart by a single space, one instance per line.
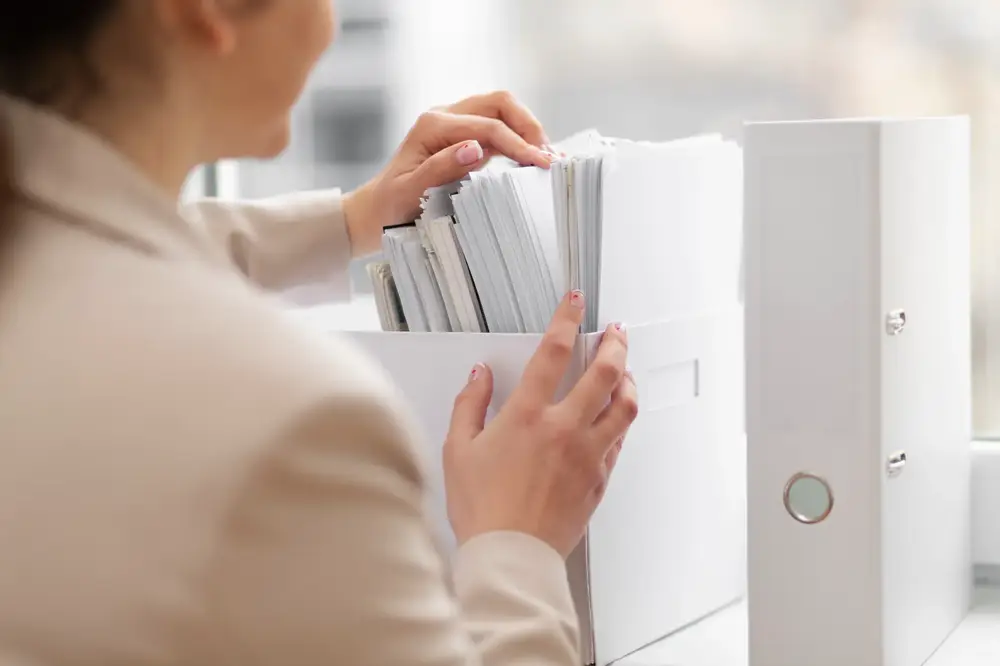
43 52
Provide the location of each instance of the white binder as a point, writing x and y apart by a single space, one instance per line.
858 326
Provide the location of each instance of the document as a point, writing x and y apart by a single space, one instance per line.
648 231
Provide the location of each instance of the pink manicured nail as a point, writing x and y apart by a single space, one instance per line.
576 299
469 154
477 372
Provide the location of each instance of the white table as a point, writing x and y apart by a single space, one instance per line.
721 640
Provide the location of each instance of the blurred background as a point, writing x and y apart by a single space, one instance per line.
649 69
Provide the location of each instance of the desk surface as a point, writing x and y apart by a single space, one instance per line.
721 640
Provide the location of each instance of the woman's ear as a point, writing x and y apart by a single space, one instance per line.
210 23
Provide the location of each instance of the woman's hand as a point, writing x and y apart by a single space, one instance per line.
540 467
444 145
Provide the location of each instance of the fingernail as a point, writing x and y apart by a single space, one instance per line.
545 158
628 373
477 372
576 299
469 154
620 327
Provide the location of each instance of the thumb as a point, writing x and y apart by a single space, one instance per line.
468 418
447 166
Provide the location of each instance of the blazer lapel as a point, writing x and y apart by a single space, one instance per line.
64 169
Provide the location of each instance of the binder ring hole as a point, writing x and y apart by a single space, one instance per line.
808 498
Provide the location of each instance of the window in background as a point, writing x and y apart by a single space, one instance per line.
349 129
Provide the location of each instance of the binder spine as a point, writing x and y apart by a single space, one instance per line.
812 395
858 390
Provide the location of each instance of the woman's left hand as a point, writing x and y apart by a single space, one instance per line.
444 145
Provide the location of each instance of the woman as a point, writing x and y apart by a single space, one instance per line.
186 477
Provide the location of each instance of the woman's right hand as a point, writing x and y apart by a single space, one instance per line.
540 467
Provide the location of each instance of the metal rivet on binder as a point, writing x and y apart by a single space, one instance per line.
808 498
895 322
896 464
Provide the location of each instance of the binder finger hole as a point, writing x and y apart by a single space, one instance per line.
808 498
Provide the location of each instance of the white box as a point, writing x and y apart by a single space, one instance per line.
667 546
850 225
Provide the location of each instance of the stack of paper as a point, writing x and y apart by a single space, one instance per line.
648 231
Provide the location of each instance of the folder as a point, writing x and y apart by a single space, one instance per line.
652 232
858 386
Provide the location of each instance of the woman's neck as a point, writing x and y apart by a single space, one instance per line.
162 143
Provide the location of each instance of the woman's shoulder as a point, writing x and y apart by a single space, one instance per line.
175 336
150 404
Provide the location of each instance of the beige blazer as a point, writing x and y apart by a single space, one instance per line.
188 476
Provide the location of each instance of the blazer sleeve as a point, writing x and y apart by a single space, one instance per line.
329 559
282 242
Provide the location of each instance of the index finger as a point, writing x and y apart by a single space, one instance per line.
506 107
495 137
548 365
